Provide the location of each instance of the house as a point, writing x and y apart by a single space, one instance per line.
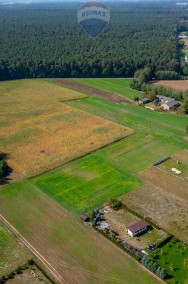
167 103
163 99
85 218
137 227
170 105
144 101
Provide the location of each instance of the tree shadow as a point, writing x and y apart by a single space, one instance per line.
8 170
169 276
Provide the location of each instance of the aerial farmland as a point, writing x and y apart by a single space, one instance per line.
89 179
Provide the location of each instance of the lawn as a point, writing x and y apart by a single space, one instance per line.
117 86
12 252
86 183
76 251
173 163
39 131
118 221
174 258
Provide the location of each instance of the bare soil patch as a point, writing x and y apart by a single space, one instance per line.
186 41
92 91
182 156
32 275
170 183
174 84
164 198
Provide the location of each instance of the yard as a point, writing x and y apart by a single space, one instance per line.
175 164
174 258
118 221
39 131
76 251
164 198
31 275
86 183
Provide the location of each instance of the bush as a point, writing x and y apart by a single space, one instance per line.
31 262
116 204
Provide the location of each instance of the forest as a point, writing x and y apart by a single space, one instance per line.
45 40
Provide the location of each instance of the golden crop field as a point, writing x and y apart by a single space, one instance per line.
39 131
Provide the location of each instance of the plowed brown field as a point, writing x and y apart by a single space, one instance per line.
181 85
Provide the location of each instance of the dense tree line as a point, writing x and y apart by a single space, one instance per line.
41 40
150 91
3 165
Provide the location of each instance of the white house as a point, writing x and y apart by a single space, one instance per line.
137 227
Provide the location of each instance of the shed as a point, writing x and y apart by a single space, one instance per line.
85 218
144 100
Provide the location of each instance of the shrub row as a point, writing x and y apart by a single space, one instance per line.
20 269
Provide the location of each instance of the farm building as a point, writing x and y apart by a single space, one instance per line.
85 218
170 105
163 99
144 101
137 227
167 103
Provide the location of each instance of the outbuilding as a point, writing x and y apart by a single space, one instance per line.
85 218
170 105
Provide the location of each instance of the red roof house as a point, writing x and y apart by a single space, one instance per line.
137 227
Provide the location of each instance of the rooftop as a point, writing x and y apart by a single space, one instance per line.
135 226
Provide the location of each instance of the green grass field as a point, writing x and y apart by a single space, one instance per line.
12 252
76 251
118 86
174 258
86 183
158 135
171 163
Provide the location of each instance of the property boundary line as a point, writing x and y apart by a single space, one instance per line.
55 274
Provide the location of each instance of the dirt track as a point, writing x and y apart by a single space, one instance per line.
92 91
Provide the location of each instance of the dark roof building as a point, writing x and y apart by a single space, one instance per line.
169 105
144 100
137 227
85 218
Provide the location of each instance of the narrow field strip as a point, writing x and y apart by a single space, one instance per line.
92 91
